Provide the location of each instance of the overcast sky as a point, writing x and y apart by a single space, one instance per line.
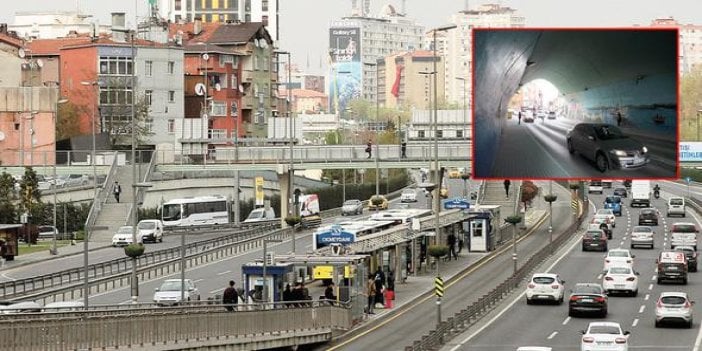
305 23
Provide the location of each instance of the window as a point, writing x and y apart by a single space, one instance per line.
224 59
147 97
171 126
264 5
219 108
439 133
235 109
420 134
235 82
459 134
115 66
148 68
171 96
171 67
257 63
178 5
115 95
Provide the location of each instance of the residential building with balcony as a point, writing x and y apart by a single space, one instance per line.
690 43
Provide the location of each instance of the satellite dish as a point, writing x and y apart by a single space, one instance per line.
2 136
40 63
21 53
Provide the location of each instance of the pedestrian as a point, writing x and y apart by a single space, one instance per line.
329 292
619 119
287 295
507 183
116 190
379 285
460 244
391 280
519 118
403 148
452 246
369 148
370 292
230 297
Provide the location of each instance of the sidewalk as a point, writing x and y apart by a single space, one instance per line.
41 256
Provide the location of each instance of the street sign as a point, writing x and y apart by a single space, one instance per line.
574 204
456 203
438 287
200 89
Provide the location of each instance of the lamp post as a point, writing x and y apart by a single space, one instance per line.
465 125
377 119
291 171
265 266
54 249
96 92
135 211
550 198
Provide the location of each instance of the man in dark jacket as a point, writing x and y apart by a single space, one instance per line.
379 283
230 297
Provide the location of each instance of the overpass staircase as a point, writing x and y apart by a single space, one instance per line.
112 214
494 194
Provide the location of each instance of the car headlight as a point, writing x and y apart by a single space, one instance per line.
644 149
619 152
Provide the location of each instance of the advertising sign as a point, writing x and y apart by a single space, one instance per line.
690 151
259 191
335 235
457 203
326 272
345 75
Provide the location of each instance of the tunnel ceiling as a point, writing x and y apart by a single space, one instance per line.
574 61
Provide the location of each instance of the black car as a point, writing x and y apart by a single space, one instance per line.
594 239
621 192
648 216
691 256
587 298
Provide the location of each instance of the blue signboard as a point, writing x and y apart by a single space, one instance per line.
690 151
456 203
335 235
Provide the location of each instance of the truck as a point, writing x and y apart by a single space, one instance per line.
641 193
261 214
671 265
308 210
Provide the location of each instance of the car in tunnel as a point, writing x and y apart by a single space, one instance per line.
607 146
528 117
551 114
621 192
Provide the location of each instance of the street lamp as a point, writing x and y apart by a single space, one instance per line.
265 266
288 92
377 119
96 91
54 249
465 124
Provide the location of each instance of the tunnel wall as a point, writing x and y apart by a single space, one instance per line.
498 69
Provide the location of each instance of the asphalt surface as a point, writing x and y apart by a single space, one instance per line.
549 325
548 156
399 330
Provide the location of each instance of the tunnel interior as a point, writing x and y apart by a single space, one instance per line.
598 72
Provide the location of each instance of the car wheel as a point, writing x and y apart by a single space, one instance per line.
603 314
635 293
684 281
601 162
658 281
570 147
160 239
571 313
560 300
657 324
529 302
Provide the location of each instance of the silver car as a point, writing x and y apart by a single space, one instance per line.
352 207
674 307
607 146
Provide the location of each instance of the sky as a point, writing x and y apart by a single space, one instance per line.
304 26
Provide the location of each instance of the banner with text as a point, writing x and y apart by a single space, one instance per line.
690 151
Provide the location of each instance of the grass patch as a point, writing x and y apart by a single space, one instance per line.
43 245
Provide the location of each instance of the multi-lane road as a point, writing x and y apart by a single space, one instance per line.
549 325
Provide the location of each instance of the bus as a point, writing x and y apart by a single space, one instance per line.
199 210
400 215
347 232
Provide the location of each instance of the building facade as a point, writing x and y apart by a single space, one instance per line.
690 43
55 24
406 80
451 125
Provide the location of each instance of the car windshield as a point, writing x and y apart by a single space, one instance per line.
409 191
543 280
643 229
619 270
684 228
619 190
587 289
255 214
125 230
613 199
593 235
647 212
676 202
604 212
604 329
147 225
171 285
673 300
351 202
607 132
46 229
618 254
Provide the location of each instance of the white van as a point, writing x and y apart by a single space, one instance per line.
260 214
676 206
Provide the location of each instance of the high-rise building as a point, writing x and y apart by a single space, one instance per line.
456 44
690 44
264 11
406 81
355 45
55 24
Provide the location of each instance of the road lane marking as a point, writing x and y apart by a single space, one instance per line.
198 280
565 321
646 297
4 275
642 308
599 276
552 335
517 298
216 291
650 286
223 273
636 321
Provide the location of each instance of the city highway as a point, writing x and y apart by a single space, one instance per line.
545 143
516 326
403 327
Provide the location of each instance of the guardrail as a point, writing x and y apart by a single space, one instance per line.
167 328
21 287
100 198
470 315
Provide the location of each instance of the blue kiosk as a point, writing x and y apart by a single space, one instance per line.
278 274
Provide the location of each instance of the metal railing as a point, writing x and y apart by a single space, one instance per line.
164 327
99 200
22 287
470 315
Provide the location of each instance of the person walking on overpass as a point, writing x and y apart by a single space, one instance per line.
369 148
116 190
507 183
403 149
230 297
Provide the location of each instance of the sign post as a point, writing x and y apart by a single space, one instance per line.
439 292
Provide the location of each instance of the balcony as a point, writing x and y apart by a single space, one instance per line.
217 134
248 102
247 76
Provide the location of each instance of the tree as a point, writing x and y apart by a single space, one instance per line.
68 120
117 117
8 213
29 190
529 192
690 102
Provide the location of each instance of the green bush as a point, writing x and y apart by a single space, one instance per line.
437 251
80 235
550 198
292 220
134 250
513 219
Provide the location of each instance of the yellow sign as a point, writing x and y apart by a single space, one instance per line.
259 191
325 272
438 287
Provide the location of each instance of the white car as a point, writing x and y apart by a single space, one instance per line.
408 195
622 279
534 348
683 234
604 336
642 235
169 293
607 213
674 307
546 287
124 236
618 258
150 230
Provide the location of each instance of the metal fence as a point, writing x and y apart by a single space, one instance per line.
21 287
470 315
160 327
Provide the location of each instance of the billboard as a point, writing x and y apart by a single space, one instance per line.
690 151
259 191
345 74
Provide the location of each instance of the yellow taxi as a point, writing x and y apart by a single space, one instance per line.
454 173
379 202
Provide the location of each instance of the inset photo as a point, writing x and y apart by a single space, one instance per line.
575 103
